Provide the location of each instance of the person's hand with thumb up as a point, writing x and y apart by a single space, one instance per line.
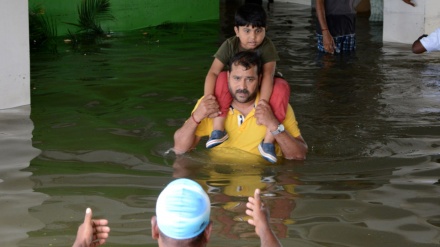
91 233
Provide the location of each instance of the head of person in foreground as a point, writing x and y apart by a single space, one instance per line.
182 215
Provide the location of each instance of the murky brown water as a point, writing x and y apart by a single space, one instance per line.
102 119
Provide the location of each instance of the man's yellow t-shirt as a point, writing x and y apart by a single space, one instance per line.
244 132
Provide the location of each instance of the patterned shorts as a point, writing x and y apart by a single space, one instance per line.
345 43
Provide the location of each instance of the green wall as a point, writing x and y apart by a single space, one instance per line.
133 14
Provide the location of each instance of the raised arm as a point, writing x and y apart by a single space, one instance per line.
267 81
185 138
91 233
409 2
260 219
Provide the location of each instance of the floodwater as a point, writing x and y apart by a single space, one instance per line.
102 118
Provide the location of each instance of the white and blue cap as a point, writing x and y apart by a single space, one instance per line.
183 209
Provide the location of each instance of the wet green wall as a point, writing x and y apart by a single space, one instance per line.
133 14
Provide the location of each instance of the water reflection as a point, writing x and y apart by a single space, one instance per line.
17 194
369 204
121 187
230 181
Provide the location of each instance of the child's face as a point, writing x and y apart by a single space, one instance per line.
250 37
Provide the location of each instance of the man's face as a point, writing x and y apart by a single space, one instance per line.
250 37
243 83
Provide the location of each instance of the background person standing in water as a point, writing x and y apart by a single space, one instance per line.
336 26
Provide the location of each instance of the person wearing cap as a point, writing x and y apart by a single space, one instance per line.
247 120
183 216
182 219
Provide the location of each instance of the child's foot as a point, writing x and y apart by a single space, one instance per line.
217 137
267 150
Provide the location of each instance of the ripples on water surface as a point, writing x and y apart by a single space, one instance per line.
103 119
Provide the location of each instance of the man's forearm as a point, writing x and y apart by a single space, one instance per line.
292 148
184 138
268 239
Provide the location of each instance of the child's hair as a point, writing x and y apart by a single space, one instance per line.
250 14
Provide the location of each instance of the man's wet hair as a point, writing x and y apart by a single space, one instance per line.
247 59
250 14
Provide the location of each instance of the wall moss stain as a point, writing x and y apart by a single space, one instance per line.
133 14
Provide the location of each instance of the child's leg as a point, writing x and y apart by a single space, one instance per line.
224 99
219 123
278 102
268 138
280 98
